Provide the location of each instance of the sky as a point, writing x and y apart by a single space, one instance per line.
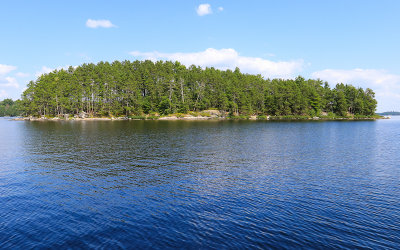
354 42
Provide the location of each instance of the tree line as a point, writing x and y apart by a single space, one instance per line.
164 87
8 107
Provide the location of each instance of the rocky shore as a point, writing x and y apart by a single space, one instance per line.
203 115
193 118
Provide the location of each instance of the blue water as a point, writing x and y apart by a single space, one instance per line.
199 184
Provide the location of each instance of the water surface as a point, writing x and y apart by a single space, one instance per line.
199 184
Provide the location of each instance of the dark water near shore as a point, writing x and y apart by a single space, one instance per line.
200 184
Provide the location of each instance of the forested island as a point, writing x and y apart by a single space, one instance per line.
153 89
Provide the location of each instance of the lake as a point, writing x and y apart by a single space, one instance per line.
200 184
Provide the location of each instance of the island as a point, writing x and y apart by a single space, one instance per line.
154 90
389 113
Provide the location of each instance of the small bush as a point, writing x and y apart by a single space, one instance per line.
262 117
205 114
331 115
137 117
195 114
152 117
240 117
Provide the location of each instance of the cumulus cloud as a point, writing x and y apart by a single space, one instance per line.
360 76
229 59
90 23
385 85
221 8
44 70
8 82
5 69
204 9
22 75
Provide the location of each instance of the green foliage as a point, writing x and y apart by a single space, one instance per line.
262 117
164 107
137 117
140 88
239 117
331 115
205 114
152 117
195 114
243 117
290 117
8 107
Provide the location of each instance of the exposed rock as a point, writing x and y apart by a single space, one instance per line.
212 112
168 118
253 117
190 117
187 117
83 115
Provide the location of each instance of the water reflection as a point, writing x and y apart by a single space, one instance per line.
215 184
213 156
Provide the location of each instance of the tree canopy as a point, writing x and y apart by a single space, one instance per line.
144 87
8 107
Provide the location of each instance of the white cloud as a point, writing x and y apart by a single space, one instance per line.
5 69
3 94
99 24
22 75
204 9
229 59
359 76
44 70
9 82
221 8
384 84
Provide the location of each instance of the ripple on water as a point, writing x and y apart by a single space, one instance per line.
154 184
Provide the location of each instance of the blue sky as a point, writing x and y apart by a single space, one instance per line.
353 42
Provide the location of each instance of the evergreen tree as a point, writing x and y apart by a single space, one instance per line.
142 87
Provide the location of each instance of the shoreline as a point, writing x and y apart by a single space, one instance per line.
203 118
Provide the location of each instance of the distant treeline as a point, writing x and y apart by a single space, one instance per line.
144 87
8 107
390 113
